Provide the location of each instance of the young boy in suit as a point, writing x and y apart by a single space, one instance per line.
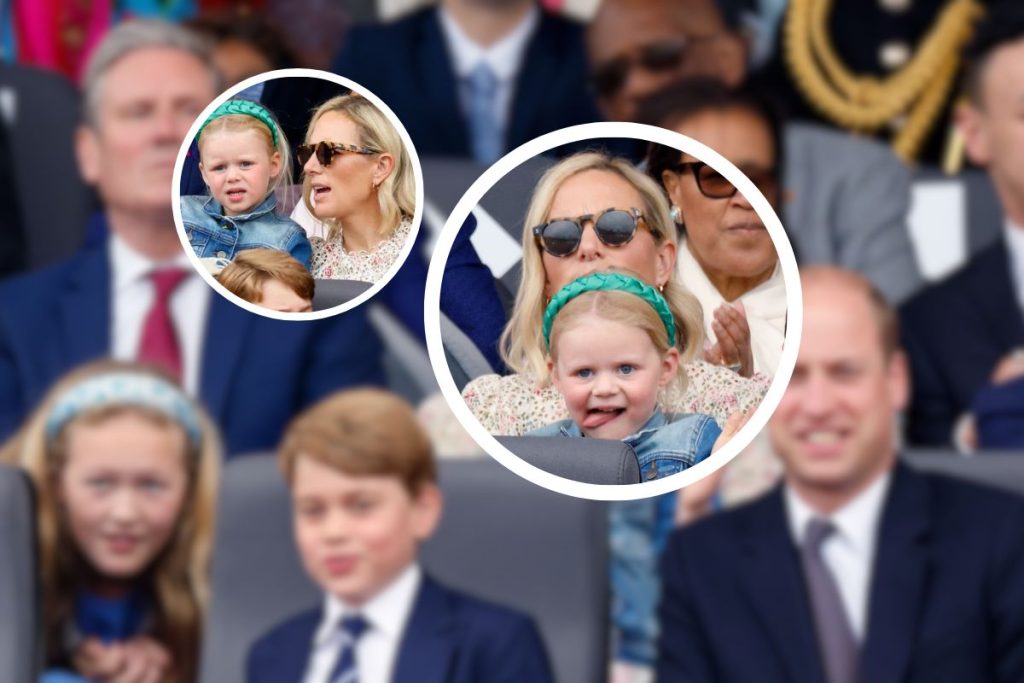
364 489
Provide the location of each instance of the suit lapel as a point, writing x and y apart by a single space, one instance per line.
293 654
227 326
774 585
428 644
899 580
85 309
439 87
992 290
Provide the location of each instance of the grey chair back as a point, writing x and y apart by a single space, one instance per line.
331 293
502 539
41 111
20 640
592 461
405 358
465 360
1003 470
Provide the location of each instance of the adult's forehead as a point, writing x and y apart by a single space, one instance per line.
621 25
156 71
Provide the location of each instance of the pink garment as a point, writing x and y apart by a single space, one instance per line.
60 34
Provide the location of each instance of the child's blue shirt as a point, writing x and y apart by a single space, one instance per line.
212 234
665 445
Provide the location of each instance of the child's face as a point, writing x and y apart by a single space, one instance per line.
122 491
238 168
278 296
356 534
610 374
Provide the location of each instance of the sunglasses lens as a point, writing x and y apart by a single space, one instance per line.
324 153
561 238
609 78
615 228
714 184
303 153
662 56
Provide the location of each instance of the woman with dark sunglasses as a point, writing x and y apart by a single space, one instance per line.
358 179
726 256
594 213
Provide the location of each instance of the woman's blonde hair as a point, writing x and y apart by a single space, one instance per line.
522 343
236 123
179 579
397 193
620 307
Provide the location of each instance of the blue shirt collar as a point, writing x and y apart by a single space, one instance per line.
213 208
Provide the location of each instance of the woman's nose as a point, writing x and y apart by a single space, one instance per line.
124 506
590 245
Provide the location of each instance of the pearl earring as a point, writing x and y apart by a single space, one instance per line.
676 214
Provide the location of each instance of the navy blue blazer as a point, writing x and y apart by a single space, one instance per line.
256 373
954 333
450 638
946 602
406 63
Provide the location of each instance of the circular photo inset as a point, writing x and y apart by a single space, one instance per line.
298 194
651 303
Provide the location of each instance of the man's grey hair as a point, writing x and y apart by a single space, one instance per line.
139 34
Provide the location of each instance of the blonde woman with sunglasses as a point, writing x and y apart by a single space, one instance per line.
358 180
594 213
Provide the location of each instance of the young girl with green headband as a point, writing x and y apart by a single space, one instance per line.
244 157
611 352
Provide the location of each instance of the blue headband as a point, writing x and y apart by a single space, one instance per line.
125 388
610 282
244 108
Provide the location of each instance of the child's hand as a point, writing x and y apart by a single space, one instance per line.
732 348
695 500
732 425
138 660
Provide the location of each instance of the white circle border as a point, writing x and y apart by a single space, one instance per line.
432 320
414 159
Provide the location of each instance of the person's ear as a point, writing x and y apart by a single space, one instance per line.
428 503
971 123
275 165
556 378
669 366
385 165
88 154
666 255
898 380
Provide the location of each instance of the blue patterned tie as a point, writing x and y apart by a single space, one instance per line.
345 670
480 90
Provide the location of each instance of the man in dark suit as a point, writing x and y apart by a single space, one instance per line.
133 293
857 568
962 334
474 79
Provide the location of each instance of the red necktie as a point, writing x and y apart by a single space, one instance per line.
159 343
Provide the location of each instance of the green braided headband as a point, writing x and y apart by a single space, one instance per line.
244 107
609 281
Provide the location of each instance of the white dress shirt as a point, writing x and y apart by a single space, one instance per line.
849 552
132 294
1015 245
377 649
504 57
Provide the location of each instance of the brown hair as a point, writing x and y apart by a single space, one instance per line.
178 581
245 276
362 432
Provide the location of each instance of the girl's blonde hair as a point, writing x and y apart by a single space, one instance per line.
397 193
522 343
237 123
620 307
179 579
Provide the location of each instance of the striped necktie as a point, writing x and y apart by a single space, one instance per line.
350 629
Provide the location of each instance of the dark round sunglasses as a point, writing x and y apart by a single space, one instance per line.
561 237
666 55
714 185
325 151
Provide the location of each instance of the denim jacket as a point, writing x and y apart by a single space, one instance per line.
665 445
639 529
211 233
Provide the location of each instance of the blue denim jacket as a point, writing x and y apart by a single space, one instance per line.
665 445
639 529
211 233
